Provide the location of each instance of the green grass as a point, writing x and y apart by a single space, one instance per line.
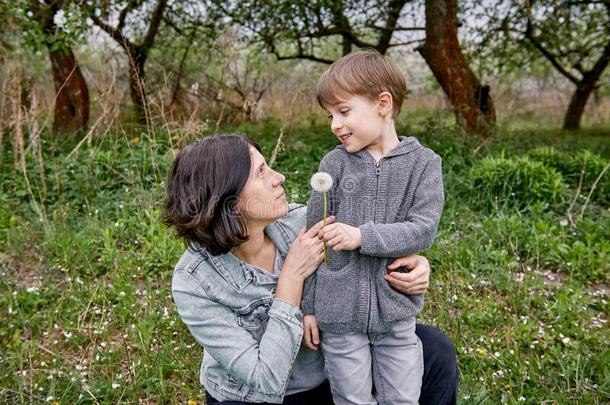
85 308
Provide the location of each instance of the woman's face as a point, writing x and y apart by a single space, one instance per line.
263 198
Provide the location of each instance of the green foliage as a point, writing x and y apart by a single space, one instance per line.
499 183
57 25
573 166
574 35
86 265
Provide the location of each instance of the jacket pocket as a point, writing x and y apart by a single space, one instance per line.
337 293
255 316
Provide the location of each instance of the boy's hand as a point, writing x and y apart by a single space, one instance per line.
311 335
341 236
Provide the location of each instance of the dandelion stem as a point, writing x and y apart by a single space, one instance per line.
324 224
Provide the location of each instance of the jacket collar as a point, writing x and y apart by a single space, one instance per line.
237 273
407 145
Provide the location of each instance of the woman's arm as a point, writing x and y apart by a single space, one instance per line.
264 366
303 258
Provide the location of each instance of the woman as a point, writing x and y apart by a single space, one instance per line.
238 285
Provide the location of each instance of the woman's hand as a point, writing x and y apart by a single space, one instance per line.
305 253
304 257
415 280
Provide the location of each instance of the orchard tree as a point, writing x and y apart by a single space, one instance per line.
303 29
57 26
135 38
471 101
323 30
571 36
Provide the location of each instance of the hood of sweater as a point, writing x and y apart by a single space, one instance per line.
407 144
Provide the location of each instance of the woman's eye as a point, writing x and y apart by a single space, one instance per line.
344 112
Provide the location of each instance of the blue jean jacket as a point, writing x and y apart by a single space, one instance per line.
250 339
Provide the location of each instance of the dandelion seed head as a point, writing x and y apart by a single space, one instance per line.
321 182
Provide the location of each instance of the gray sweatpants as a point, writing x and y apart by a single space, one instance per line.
393 361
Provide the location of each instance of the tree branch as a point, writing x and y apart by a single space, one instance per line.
299 55
415 41
394 9
113 32
123 15
546 53
380 28
155 22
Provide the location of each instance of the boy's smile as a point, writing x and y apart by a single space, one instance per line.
359 123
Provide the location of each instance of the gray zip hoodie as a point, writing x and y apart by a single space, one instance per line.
396 203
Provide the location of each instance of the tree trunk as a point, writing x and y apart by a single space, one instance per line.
71 93
584 88
577 105
471 101
137 59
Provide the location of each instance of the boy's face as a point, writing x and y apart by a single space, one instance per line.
356 121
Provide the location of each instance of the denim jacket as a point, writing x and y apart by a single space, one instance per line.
251 340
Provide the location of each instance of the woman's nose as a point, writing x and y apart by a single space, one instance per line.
278 179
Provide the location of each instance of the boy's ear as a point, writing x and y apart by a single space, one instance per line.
385 103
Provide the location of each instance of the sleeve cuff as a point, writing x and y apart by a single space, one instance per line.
367 232
286 311
307 308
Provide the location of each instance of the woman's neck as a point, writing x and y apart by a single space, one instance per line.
251 250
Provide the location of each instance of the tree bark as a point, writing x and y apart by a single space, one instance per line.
136 53
137 60
71 93
583 91
71 112
471 101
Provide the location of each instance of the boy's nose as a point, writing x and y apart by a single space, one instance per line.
336 124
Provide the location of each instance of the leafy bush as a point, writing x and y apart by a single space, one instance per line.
517 183
571 166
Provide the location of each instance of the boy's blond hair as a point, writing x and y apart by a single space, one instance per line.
363 73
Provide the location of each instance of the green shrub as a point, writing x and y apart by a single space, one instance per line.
584 163
515 183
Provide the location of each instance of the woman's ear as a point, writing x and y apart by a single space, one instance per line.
385 103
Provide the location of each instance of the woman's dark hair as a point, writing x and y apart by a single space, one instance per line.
202 188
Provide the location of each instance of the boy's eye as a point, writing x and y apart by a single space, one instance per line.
345 111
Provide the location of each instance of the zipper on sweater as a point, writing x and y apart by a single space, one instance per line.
377 173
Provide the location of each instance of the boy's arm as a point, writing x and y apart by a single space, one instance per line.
419 229
308 299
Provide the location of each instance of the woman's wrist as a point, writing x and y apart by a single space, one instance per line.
290 288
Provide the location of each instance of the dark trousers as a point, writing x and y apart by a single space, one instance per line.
439 384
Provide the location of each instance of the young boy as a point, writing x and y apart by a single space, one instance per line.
387 197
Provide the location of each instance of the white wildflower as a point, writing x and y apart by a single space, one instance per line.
321 182
60 18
